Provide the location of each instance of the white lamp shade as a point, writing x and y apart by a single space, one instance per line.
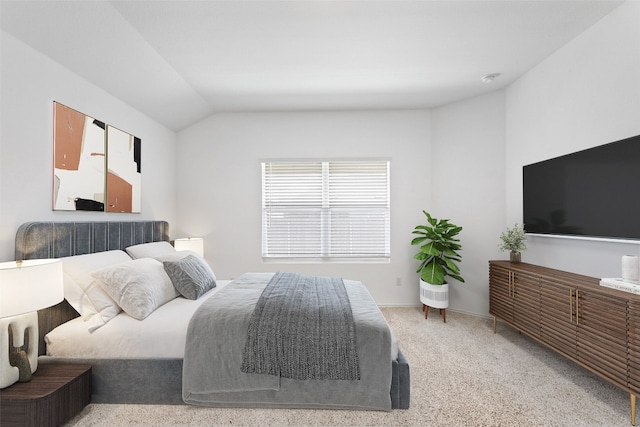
30 285
195 244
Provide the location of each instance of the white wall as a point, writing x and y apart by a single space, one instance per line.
584 95
219 185
468 188
30 82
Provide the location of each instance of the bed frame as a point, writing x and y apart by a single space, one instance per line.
141 381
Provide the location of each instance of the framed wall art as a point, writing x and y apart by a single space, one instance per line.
124 177
97 167
79 161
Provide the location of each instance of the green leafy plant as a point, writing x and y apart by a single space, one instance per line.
439 248
513 239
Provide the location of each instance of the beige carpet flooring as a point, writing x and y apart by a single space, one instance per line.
462 374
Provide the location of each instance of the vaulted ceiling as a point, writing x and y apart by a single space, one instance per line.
180 61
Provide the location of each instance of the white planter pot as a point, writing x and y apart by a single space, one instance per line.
435 296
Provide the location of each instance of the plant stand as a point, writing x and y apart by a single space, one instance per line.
443 312
436 296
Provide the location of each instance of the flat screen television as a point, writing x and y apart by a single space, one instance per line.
590 193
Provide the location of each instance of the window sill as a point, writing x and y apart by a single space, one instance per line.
333 260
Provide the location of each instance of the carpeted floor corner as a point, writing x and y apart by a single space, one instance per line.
462 374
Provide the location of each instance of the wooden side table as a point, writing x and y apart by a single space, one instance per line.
56 393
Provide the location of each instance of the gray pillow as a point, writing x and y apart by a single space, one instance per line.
190 276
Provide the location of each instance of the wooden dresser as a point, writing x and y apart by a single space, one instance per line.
594 326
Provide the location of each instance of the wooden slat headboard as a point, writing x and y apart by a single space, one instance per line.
36 240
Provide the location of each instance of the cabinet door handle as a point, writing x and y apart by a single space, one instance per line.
512 284
571 311
577 312
571 305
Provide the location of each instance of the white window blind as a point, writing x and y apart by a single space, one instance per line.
327 210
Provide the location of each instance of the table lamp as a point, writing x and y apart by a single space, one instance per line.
25 287
195 244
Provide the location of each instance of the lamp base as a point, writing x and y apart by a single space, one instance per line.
12 337
20 360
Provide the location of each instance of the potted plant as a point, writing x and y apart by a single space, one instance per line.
514 240
438 256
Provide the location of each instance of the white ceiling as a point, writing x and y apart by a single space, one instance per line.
180 61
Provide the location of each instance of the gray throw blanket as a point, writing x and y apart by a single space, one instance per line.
302 328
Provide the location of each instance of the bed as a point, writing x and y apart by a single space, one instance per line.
124 371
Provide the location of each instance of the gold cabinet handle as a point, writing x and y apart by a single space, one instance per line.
577 312
571 305
571 311
512 284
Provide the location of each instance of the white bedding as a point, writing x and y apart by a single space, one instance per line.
161 335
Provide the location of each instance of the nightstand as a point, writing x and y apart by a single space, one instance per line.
56 393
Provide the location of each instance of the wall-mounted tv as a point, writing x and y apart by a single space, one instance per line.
590 193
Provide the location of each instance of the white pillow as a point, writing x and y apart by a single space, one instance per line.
138 286
83 291
150 250
175 255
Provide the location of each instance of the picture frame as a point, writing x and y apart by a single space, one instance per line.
79 161
97 167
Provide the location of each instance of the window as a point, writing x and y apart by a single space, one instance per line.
325 210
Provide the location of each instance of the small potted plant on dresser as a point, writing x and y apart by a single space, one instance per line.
514 240
438 256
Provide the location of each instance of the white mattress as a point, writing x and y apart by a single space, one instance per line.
162 335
